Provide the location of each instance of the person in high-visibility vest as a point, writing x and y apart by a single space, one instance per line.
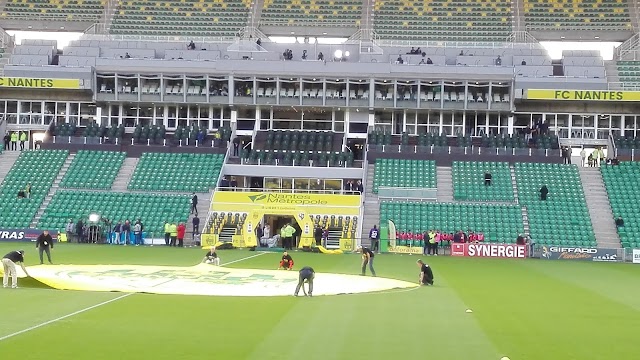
173 231
23 139
14 141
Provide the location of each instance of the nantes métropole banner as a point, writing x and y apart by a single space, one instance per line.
302 207
583 95
40 83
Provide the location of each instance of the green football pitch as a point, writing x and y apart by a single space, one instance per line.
523 309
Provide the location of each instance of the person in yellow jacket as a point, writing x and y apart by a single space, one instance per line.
287 236
167 233
23 139
14 141
173 232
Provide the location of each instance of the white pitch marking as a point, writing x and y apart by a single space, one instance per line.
93 307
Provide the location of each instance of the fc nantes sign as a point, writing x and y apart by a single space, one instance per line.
34 83
583 95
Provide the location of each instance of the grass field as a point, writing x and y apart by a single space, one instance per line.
532 309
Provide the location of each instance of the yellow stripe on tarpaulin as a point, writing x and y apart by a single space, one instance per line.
40 83
201 279
583 95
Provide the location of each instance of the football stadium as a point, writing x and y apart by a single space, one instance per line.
217 178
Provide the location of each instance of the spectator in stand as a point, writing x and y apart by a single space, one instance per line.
27 191
619 222
429 61
472 237
521 240
409 238
480 237
173 234
137 233
117 230
196 226
583 156
320 56
194 204
374 237
464 237
236 146
181 230
457 238
400 60
487 178
359 187
191 45
544 192
126 232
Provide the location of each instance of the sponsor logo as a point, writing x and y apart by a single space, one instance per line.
578 253
405 250
23 234
511 251
35 83
636 256
287 199
583 95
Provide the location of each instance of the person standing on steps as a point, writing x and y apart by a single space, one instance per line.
23 139
7 141
194 204
14 141
181 230
196 225
44 244
9 262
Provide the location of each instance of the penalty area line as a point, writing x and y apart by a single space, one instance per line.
64 317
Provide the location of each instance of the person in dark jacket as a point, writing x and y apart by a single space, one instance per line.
306 274
117 230
317 234
9 262
426 274
80 231
126 231
196 225
44 243
194 204
544 191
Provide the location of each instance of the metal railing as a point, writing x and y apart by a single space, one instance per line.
473 150
408 193
290 191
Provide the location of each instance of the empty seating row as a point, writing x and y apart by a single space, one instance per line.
176 172
93 169
298 158
623 187
404 173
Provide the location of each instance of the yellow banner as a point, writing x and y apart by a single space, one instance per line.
583 95
34 83
202 279
299 206
406 250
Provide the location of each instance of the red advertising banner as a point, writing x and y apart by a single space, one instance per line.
489 250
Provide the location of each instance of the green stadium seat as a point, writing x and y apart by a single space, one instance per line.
404 173
152 209
468 181
224 18
54 10
623 187
558 15
310 13
93 169
563 218
448 20
176 172
38 167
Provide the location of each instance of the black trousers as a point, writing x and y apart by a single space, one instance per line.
433 248
196 230
173 241
194 209
180 242
167 239
44 249
427 280
305 276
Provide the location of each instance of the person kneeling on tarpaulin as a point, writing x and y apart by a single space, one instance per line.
212 257
286 262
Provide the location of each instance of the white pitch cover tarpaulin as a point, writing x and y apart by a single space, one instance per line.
202 279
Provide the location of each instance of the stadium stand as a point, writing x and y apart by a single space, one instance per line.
468 181
176 172
312 12
93 169
404 173
186 17
627 142
57 10
577 15
563 219
225 225
623 188
299 147
499 223
487 141
448 20
39 168
629 72
152 209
